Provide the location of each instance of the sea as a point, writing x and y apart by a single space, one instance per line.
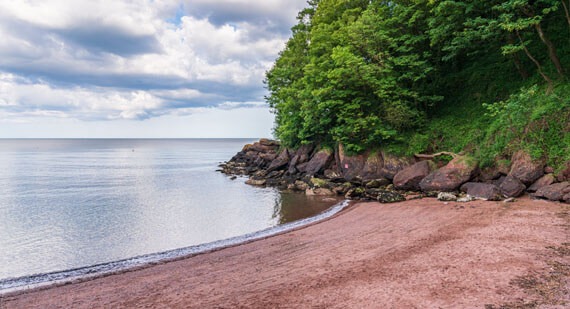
68 205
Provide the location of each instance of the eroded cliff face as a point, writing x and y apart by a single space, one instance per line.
384 177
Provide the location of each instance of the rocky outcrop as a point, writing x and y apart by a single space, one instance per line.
483 191
394 164
543 181
384 177
410 177
318 162
525 168
449 178
554 192
512 187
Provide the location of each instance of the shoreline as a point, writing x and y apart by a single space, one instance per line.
38 282
418 253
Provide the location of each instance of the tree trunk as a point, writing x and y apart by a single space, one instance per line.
516 59
551 49
566 11
546 78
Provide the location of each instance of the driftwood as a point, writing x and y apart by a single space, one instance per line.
445 153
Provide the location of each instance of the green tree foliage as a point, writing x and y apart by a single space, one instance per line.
370 74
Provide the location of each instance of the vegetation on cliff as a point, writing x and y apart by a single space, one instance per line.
423 76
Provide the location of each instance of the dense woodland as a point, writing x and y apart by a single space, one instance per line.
486 77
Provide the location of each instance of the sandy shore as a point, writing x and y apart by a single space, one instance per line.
415 254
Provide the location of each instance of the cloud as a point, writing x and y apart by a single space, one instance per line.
137 59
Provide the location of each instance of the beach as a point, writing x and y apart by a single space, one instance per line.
416 254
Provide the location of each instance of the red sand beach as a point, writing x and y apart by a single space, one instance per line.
415 254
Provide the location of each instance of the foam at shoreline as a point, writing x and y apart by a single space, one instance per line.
11 285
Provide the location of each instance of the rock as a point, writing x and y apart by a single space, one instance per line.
394 164
301 185
373 166
465 199
268 142
233 177
321 183
256 182
319 192
329 200
566 198
457 172
510 200
302 168
489 174
275 174
410 177
390 197
525 169
350 166
555 192
377 183
342 189
268 157
318 162
564 175
354 193
446 196
512 187
543 181
332 175
549 170
280 162
300 156
482 191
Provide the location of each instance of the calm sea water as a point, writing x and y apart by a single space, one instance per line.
73 203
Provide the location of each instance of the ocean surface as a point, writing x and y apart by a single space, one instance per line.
72 203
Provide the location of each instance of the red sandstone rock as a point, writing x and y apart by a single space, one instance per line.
526 169
457 172
555 192
410 177
482 190
544 181
512 187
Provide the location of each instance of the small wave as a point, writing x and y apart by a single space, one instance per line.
61 277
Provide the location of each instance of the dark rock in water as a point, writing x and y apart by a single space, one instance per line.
512 187
233 177
377 183
449 178
319 192
256 182
525 169
544 181
392 165
482 190
410 177
555 192
318 162
280 162
390 197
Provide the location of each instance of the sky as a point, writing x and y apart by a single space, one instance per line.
139 68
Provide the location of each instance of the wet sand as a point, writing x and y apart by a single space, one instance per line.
415 254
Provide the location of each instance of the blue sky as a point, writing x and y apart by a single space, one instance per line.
139 68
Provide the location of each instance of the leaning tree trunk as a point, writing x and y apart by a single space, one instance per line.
551 49
527 52
517 60
566 11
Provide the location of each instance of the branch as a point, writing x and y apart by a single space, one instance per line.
445 153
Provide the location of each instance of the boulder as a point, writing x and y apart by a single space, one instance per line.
377 183
512 187
543 181
555 192
321 183
482 191
446 197
332 175
256 182
373 166
390 197
354 193
269 142
393 164
449 178
319 192
350 165
318 162
410 177
301 185
489 174
280 162
525 169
